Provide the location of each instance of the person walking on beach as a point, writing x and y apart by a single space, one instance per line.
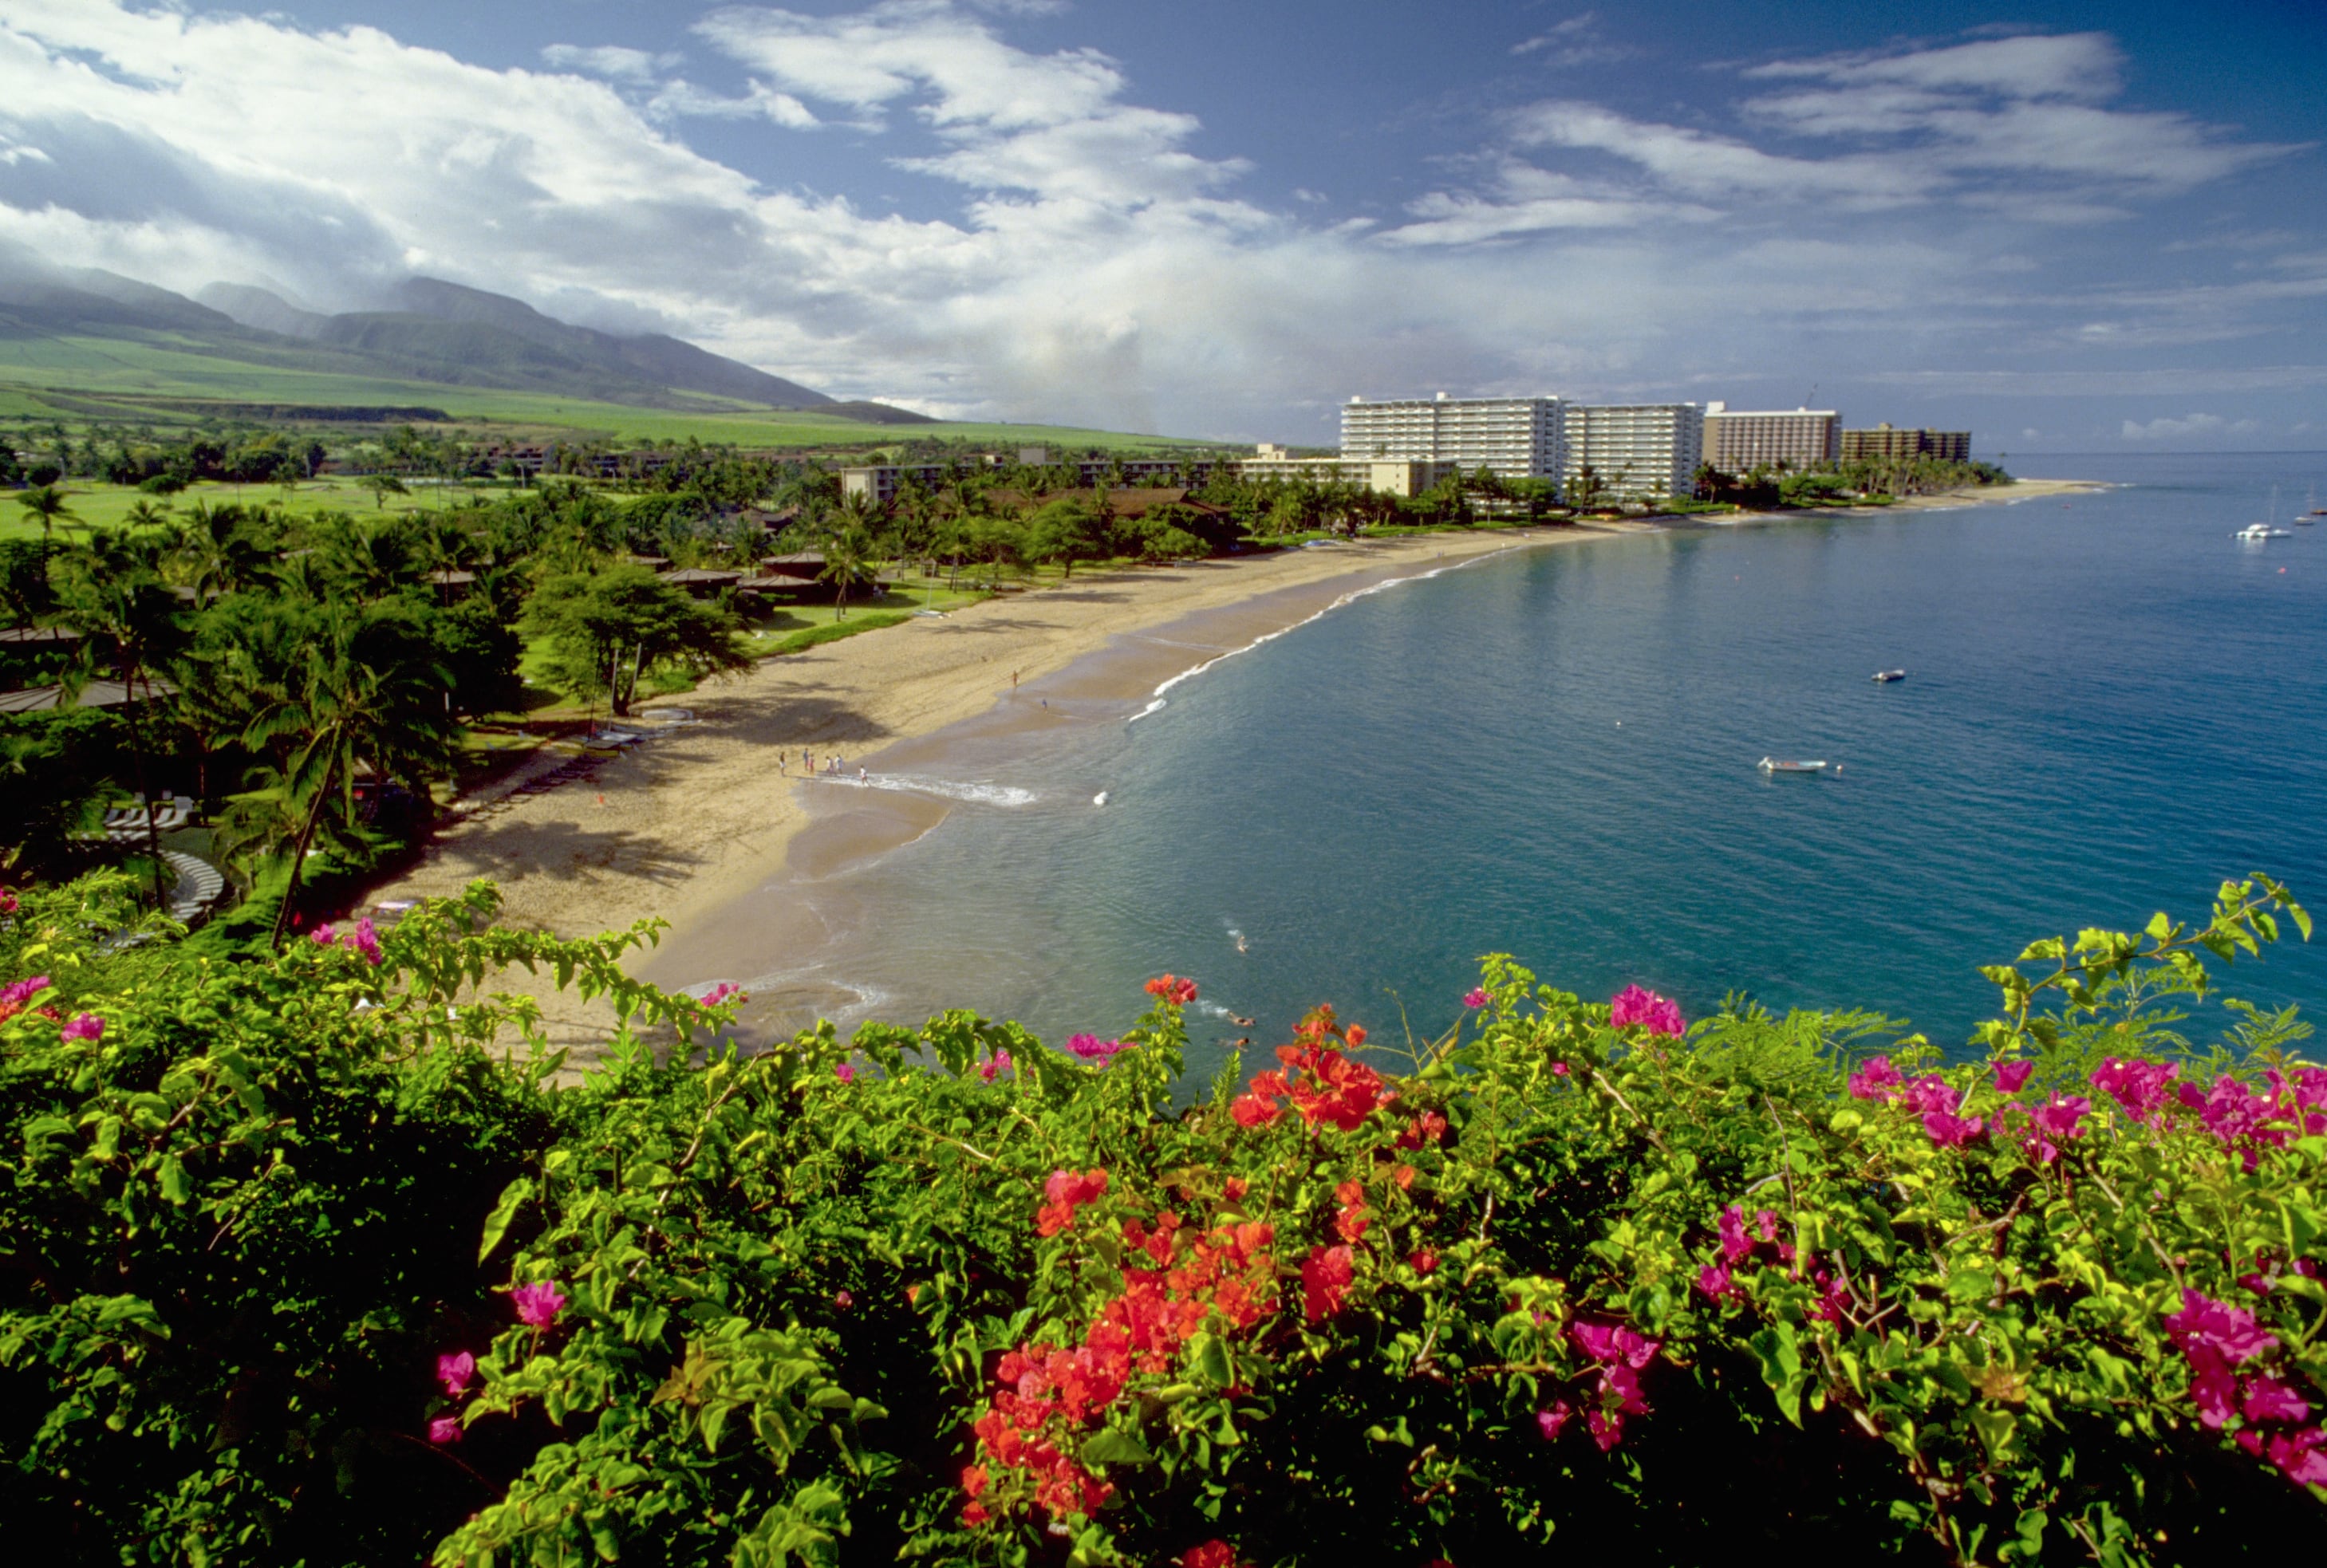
862 776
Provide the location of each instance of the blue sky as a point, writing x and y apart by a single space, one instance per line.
2069 226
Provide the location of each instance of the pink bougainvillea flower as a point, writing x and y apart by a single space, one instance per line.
7 902
1714 1280
1614 1343
444 1430
2212 1388
366 941
2270 1399
1474 998
724 992
2142 1087
538 1306
86 1026
1633 1005
993 1065
1948 1130
455 1371
1734 1244
1873 1081
322 935
1549 1421
843 1072
2301 1456
1607 1428
2011 1075
2229 1331
1325 1276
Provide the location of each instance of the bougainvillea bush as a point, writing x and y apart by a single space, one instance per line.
318 1260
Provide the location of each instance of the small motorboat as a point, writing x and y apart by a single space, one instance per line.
1100 798
1884 677
1780 765
2255 533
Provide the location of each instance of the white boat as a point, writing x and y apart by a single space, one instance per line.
1883 676
1100 798
1780 765
2255 533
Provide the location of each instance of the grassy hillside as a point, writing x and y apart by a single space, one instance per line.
149 378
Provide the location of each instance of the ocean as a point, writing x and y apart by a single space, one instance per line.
2110 706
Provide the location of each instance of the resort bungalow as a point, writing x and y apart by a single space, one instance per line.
701 582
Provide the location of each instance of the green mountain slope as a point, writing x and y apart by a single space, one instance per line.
90 331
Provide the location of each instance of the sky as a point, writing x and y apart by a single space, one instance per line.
2066 227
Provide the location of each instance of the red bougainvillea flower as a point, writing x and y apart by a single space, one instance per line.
444 1430
2011 1075
843 1072
1474 998
2142 1087
538 1305
1422 1260
1067 1192
1211 1555
1236 1188
455 1371
1172 989
86 1026
1426 1128
1325 1276
8 902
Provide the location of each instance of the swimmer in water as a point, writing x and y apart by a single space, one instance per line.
1243 1040
1239 1022
1241 948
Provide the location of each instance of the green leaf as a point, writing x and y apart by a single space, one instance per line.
174 1185
1782 1368
1109 1446
497 1223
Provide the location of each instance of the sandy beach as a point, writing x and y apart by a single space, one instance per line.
685 823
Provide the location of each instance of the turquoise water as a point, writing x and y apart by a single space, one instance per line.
2110 706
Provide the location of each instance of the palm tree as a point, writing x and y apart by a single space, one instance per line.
382 486
215 551
370 691
848 552
47 503
113 593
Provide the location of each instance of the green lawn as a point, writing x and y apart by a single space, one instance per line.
95 503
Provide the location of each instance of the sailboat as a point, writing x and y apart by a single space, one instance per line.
2316 511
2255 532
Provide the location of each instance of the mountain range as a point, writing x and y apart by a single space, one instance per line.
424 330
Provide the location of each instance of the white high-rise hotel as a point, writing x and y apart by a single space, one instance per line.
1635 450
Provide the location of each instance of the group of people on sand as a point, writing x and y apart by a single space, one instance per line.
831 770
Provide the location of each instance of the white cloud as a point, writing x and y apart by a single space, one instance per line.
1574 43
609 59
1089 257
2194 424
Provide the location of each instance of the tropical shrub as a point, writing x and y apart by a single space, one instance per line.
318 1259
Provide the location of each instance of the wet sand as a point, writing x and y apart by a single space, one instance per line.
697 826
